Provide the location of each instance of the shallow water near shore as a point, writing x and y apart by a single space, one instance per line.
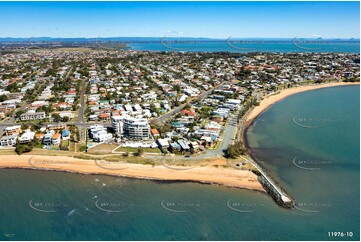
45 205
310 143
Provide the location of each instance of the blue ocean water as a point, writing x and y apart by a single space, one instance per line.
309 142
248 46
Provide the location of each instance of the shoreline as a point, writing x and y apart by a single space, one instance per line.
272 99
209 174
269 100
228 177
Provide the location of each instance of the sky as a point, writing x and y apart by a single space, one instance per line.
180 19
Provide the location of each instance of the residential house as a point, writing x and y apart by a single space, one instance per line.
7 141
32 116
47 140
65 134
13 130
184 145
26 137
56 139
39 137
155 133
163 143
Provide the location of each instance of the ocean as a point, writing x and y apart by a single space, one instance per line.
244 46
309 142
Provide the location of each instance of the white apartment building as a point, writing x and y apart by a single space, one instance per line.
96 129
101 135
137 128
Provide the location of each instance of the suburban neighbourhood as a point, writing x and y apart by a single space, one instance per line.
146 102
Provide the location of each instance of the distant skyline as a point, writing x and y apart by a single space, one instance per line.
180 19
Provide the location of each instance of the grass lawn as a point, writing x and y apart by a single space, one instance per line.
130 150
64 142
204 122
81 148
72 146
55 147
102 148
217 145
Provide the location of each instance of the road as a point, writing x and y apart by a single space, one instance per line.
11 120
7 123
229 135
82 103
68 73
176 110
80 120
227 139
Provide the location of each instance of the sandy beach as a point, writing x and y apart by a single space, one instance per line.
272 99
206 174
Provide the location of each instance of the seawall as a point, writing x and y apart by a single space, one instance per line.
272 188
281 199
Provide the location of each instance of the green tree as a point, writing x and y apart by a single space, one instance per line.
125 154
3 98
19 113
24 126
65 119
21 148
235 150
139 152
152 107
56 117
